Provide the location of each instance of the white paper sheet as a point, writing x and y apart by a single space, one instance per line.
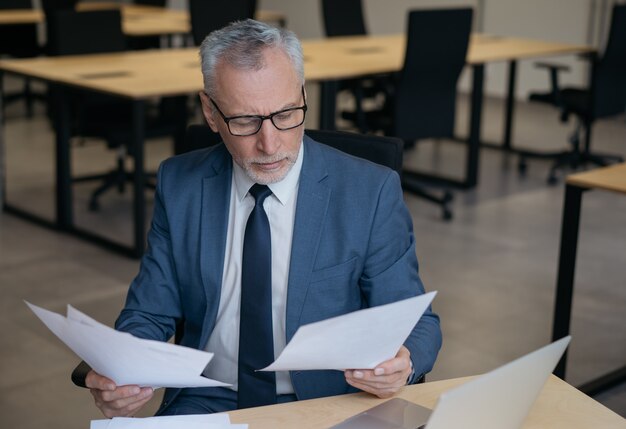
196 421
126 359
362 339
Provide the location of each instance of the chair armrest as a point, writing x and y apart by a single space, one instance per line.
80 373
554 95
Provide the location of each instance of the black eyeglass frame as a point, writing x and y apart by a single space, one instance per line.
263 118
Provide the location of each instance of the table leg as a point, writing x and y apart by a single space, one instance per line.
328 104
64 209
139 201
567 263
473 148
2 150
510 105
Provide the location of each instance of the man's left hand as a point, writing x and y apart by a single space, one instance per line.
384 380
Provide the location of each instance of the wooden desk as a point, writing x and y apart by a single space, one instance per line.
137 20
559 406
139 75
354 56
20 16
133 75
611 179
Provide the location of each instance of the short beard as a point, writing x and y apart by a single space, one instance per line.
268 178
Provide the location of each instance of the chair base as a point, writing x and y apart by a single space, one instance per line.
414 187
116 178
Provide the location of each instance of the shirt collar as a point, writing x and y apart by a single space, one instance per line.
282 190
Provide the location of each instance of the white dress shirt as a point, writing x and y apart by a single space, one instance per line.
281 209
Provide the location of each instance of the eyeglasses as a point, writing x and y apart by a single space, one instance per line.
247 125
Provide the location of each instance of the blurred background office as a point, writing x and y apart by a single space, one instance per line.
494 263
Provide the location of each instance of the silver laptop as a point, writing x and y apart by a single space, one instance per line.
500 399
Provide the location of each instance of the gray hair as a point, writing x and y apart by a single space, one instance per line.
241 45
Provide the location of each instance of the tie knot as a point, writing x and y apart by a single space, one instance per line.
260 192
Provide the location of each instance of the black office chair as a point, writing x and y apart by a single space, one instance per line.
423 104
346 18
197 137
146 42
50 8
99 115
207 16
20 41
158 3
605 96
382 150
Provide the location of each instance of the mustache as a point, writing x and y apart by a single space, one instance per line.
270 159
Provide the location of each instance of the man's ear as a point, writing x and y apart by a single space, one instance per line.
207 111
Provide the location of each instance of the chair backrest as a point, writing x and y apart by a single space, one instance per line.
18 40
16 4
53 5
608 84
385 151
436 51
89 32
343 17
207 16
159 3
198 136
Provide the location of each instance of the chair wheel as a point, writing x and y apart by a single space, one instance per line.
94 206
447 214
522 166
552 179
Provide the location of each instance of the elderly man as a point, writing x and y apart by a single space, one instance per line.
266 232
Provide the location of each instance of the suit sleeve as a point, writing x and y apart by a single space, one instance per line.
391 271
152 307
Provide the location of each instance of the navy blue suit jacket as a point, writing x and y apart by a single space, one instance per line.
353 247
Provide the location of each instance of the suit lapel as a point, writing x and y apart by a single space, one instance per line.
311 209
213 228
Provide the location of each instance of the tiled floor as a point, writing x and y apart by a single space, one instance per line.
494 265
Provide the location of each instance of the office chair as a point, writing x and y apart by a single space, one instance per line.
423 104
158 3
146 42
20 41
605 96
207 16
386 151
103 116
346 18
382 150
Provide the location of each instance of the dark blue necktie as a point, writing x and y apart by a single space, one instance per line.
256 344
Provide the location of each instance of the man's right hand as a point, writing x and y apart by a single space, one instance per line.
114 401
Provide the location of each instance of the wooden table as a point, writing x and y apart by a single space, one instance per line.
354 56
137 20
139 75
559 406
611 179
133 75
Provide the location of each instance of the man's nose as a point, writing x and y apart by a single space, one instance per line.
267 140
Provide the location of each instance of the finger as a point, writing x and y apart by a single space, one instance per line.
370 376
122 406
400 363
93 380
126 394
380 392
